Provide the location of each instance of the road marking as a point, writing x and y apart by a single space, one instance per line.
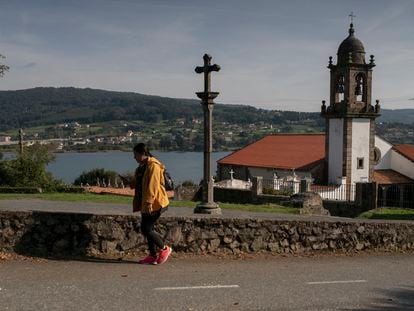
336 282
197 287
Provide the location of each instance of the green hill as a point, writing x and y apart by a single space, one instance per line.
48 106
397 116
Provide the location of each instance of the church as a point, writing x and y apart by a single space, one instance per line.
348 152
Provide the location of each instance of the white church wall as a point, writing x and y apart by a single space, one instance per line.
336 131
360 149
386 151
402 165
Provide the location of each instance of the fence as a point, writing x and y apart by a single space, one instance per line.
345 192
280 186
396 195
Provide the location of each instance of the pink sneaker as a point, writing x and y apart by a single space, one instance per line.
163 255
149 260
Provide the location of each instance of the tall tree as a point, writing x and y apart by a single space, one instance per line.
3 68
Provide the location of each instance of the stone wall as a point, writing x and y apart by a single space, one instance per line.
70 234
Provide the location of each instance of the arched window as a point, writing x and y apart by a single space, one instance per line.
340 89
360 87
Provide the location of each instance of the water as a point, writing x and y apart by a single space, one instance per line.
181 165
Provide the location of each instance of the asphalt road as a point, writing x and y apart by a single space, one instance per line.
364 282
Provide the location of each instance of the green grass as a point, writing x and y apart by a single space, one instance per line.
70 197
389 213
272 208
108 198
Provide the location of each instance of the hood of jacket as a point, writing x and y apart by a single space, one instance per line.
154 161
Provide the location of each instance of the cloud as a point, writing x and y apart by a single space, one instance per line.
29 65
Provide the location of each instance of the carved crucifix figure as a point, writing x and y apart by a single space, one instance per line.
207 206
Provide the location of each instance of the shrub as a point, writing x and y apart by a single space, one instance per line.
20 190
91 177
188 183
70 189
286 192
29 169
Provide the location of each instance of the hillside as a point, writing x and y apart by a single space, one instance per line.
50 106
168 123
399 115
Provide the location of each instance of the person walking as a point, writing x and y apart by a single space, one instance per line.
151 200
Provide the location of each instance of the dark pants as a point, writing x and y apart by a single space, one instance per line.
147 228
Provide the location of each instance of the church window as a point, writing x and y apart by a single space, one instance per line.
340 88
359 88
360 163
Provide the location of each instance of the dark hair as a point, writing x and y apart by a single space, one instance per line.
141 148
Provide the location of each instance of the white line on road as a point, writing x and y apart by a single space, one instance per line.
197 287
336 282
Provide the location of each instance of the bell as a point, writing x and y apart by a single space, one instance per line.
340 88
358 89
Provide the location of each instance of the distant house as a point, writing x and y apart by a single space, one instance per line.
74 125
5 139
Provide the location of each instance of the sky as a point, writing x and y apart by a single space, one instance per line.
273 54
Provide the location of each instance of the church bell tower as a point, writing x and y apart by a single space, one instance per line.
350 117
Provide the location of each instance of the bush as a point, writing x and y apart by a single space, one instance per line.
91 177
285 192
29 169
20 190
70 189
188 183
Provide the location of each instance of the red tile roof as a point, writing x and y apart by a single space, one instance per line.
282 151
405 150
390 177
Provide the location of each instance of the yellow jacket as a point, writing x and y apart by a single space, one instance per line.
154 195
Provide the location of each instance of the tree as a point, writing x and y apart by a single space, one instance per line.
3 68
29 169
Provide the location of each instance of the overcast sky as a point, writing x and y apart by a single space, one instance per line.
273 54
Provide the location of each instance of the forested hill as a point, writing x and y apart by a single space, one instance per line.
47 105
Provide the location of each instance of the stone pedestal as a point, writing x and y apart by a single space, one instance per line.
208 208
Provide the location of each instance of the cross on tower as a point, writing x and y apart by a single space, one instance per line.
351 16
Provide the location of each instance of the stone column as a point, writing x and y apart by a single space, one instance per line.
257 186
207 206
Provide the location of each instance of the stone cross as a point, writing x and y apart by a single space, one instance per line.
207 69
207 206
231 174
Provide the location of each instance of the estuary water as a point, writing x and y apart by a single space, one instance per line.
181 165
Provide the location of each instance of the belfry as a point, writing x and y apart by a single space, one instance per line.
350 116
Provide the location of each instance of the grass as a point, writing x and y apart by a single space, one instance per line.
389 213
69 197
108 198
272 208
